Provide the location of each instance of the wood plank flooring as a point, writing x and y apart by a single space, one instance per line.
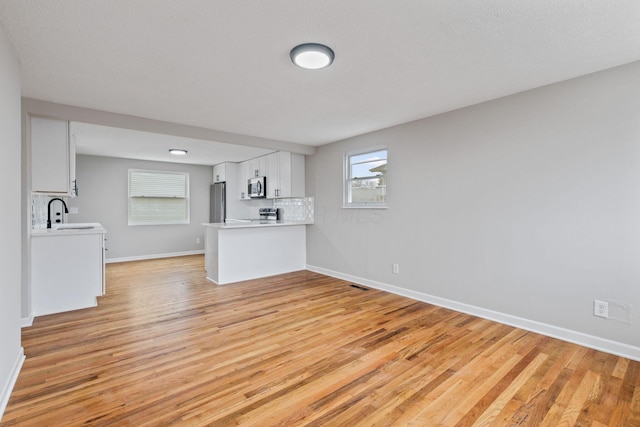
165 347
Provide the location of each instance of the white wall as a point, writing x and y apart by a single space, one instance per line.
103 197
11 353
523 209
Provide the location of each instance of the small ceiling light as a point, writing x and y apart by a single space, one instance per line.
312 56
178 151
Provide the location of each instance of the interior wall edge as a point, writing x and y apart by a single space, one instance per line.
590 341
7 388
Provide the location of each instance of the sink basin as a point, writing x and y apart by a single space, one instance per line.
74 227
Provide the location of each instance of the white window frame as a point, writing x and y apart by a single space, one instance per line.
186 220
347 178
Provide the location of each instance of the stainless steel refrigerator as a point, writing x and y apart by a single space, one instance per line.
218 202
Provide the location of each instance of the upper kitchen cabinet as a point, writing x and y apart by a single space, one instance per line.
220 173
244 173
284 172
285 175
257 167
53 167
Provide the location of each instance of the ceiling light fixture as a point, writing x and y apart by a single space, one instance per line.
178 151
312 56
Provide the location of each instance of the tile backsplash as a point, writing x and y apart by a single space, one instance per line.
39 205
296 209
39 211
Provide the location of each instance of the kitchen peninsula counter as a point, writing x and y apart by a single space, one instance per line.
243 249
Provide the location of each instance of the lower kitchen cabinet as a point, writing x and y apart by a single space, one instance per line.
67 271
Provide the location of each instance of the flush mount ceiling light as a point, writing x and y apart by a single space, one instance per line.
178 151
312 56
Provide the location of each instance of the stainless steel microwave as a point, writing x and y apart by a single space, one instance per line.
257 187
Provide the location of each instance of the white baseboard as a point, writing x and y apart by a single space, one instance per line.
153 256
580 338
25 322
7 388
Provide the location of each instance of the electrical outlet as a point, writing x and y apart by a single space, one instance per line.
395 268
601 308
197 240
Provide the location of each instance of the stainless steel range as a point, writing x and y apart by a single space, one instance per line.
270 214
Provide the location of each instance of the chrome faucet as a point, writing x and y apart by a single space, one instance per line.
49 210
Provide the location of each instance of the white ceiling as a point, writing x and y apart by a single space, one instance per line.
224 65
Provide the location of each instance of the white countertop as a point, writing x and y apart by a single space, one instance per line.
70 229
235 223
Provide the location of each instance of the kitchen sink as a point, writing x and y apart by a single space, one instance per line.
74 227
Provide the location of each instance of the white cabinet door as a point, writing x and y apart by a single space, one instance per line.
285 175
295 178
73 182
50 156
272 172
244 173
259 166
284 162
220 173
66 272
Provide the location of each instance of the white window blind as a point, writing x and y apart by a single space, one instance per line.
158 197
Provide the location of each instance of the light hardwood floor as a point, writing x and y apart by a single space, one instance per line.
167 347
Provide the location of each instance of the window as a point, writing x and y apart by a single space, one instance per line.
366 179
158 197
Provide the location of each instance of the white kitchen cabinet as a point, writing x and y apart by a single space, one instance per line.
220 173
258 167
244 173
272 174
67 269
235 208
284 172
285 175
52 157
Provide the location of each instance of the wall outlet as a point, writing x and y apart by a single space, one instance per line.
395 268
73 209
601 308
197 240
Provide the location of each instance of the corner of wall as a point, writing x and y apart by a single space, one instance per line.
7 387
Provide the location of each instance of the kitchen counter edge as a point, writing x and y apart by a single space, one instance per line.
47 232
254 224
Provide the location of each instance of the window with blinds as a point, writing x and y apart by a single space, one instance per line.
158 197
